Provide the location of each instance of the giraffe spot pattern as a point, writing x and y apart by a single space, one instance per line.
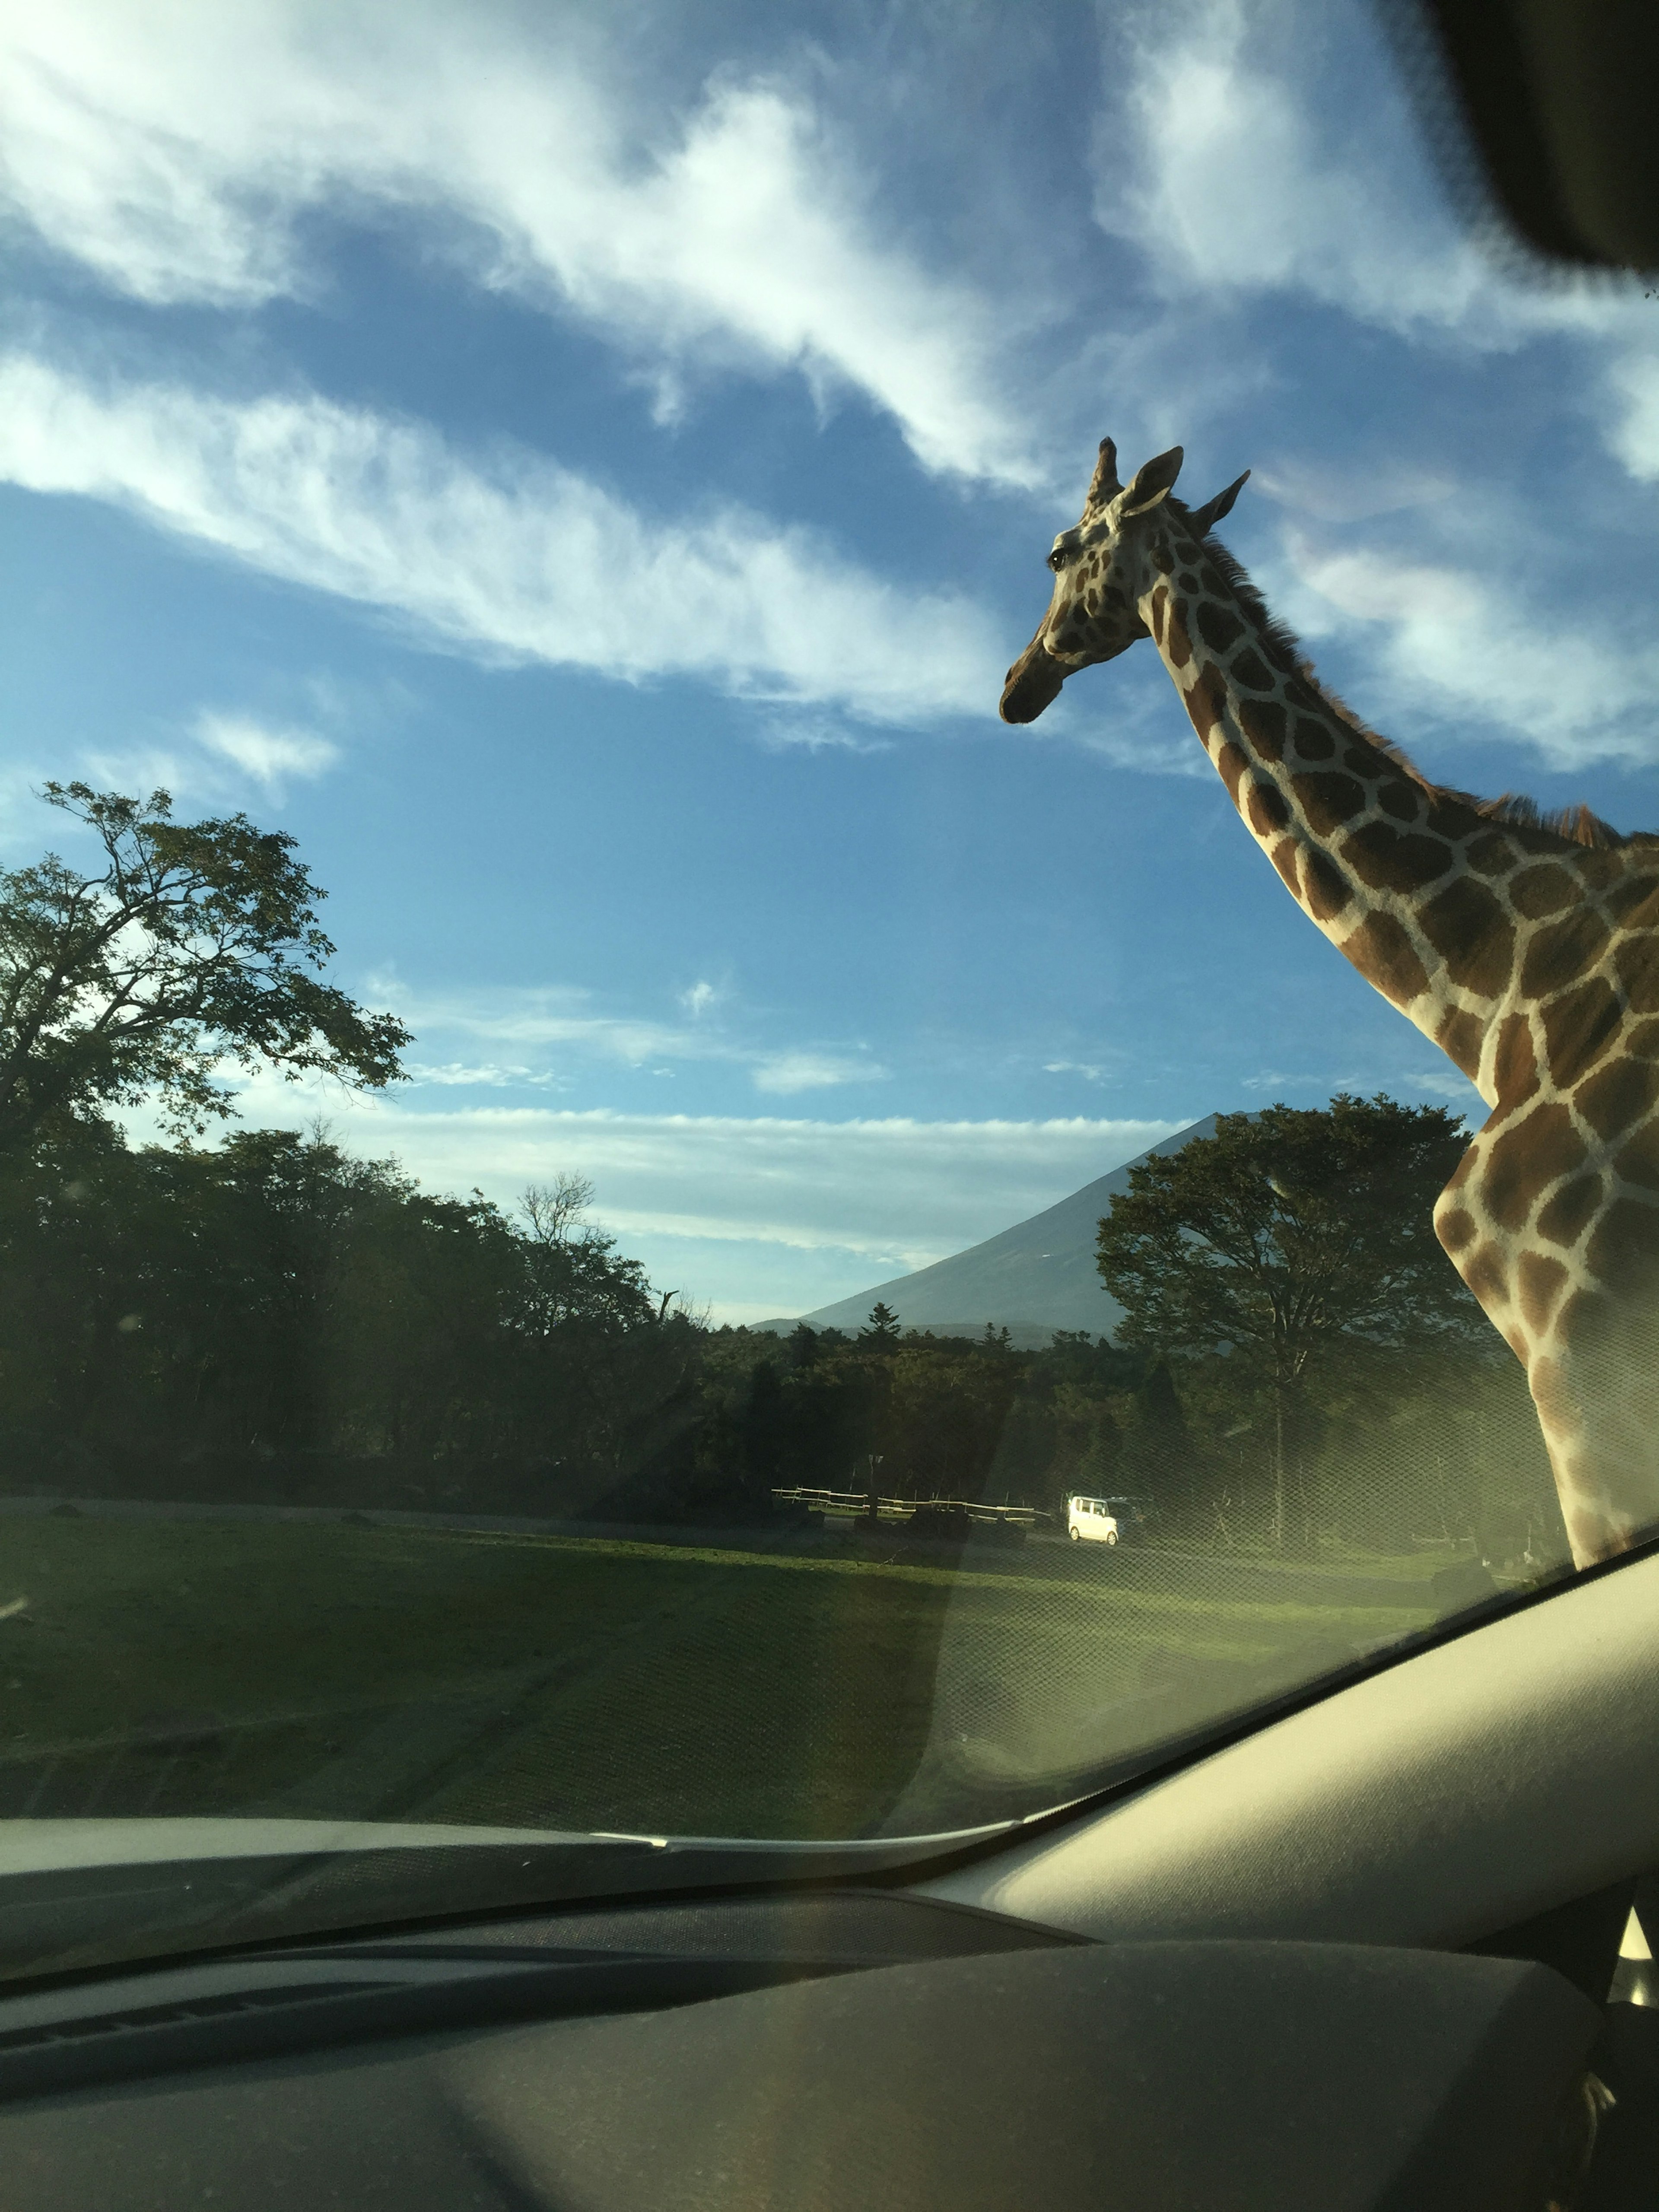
1232 765
1637 1161
1618 1093
1262 721
1160 606
1398 799
1542 1281
1490 855
1483 1270
1473 927
1219 626
1624 1251
1560 952
1636 964
1205 703
1324 886
1314 742
1635 904
1461 1037
1283 856
1384 857
1328 800
1268 809
1472 935
1579 1026
1530 1155
1456 1229
1568 1214
1514 1062
1541 890
1385 956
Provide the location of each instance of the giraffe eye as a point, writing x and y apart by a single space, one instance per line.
1057 559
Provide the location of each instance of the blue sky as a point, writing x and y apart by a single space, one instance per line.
585 473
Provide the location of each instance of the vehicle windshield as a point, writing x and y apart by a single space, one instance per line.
730 1108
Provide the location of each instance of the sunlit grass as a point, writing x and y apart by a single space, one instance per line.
370 1672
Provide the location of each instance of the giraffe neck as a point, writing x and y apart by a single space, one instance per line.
1398 878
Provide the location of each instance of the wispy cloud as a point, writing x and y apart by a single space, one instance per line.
816 733
785 1074
174 153
520 558
1633 433
895 1189
1086 1069
270 755
1278 1082
567 1021
1230 159
1463 648
1230 164
485 1075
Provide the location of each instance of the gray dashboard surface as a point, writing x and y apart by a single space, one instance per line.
1451 1794
1159 2076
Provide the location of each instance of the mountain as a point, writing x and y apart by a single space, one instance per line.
1031 1280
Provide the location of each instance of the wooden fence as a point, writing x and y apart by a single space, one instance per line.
903 1509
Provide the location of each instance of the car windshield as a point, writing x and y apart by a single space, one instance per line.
732 1116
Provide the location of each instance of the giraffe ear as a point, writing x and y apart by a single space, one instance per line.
1104 484
1205 518
1153 482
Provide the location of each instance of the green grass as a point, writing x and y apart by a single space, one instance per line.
319 1669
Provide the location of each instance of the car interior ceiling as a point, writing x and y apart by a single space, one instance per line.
1386 1949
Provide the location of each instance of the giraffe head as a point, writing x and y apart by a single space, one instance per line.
1102 567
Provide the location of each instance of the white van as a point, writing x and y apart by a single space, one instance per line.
1091 1519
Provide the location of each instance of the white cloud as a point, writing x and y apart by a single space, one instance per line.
785 1074
1447 641
1354 491
897 1192
457 1074
521 558
1083 1068
1235 170
1446 1082
173 150
1633 434
816 733
566 1020
269 756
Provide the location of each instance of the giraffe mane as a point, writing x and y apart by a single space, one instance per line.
1572 825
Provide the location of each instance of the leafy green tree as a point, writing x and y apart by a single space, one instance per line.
1285 1233
194 942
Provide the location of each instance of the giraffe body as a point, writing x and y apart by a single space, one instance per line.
1530 957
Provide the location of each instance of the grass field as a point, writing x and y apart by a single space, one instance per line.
330 1669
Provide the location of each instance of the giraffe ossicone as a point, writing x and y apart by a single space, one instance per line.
1528 950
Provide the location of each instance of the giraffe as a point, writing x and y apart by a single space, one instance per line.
1527 949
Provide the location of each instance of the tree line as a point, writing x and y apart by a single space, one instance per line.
268 1315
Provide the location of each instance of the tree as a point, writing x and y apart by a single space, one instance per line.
1287 1231
882 1326
195 943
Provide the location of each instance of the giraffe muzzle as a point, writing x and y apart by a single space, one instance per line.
1033 683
